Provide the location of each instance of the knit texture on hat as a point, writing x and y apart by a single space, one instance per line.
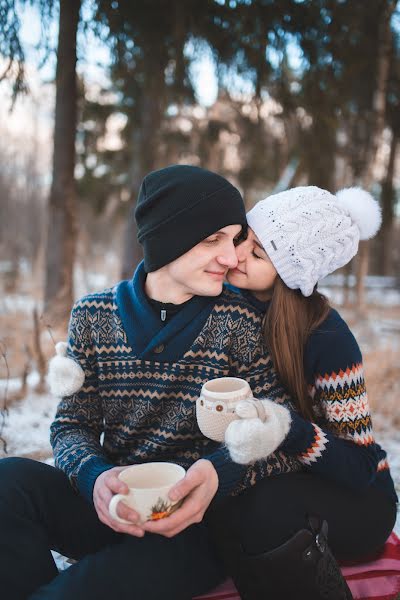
308 233
180 206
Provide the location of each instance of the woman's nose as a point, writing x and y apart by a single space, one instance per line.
242 251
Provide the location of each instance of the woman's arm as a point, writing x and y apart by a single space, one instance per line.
339 444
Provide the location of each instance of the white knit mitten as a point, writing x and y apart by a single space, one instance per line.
262 427
65 376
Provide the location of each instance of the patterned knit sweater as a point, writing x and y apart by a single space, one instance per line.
142 379
340 443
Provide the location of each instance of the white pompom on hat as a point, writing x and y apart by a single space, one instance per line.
363 209
308 232
65 376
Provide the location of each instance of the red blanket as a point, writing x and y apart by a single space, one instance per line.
377 579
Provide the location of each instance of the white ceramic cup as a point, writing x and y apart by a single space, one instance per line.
215 407
149 484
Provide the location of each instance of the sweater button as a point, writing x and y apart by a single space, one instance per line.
159 349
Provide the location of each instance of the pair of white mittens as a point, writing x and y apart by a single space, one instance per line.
262 427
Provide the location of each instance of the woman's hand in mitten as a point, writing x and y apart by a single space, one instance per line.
262 427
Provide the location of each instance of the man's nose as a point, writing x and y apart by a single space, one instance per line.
228 258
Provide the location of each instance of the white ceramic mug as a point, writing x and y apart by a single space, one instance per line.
149 484
215 407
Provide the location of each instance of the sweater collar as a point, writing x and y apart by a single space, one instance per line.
143 327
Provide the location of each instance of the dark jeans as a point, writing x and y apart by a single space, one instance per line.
39 511
269 514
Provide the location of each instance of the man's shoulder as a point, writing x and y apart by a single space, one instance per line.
101 299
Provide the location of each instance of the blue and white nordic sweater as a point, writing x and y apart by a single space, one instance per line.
137 403
339 444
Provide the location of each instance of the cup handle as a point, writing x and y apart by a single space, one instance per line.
112 508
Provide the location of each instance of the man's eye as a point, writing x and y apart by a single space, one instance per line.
211 241
256 255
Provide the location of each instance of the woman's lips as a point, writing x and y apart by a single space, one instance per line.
237 271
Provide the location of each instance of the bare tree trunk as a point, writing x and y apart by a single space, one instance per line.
62 228
379 98
38 353
378 123
145 144
321 165
347 271
388 199
362 272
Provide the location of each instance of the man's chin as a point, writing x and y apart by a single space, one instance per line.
214 289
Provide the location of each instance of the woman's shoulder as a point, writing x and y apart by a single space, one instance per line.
333 326
331 347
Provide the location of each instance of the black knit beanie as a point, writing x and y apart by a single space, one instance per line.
180 206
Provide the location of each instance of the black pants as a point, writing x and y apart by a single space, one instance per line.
40 511
270 513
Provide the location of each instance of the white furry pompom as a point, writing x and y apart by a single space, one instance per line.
65 376
363 209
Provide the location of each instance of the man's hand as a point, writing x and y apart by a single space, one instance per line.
107 484
197 488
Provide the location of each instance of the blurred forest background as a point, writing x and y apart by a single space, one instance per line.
270 93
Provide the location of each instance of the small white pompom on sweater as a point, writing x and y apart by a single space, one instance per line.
364 210
65 376
251 438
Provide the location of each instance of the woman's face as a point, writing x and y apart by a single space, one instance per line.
255 271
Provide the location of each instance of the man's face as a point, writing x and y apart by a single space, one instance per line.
201 271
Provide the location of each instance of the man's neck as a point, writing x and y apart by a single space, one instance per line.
159 286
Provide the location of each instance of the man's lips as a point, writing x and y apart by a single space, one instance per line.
216 274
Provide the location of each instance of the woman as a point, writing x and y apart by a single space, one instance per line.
278 548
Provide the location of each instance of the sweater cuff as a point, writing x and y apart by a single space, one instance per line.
88 474
230 474
300 436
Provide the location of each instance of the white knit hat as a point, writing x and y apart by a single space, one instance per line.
308 232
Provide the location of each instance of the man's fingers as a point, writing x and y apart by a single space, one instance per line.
181 489
102 502
116 485
120 527
124 512
190 512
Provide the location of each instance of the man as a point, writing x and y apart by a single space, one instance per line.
146 347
